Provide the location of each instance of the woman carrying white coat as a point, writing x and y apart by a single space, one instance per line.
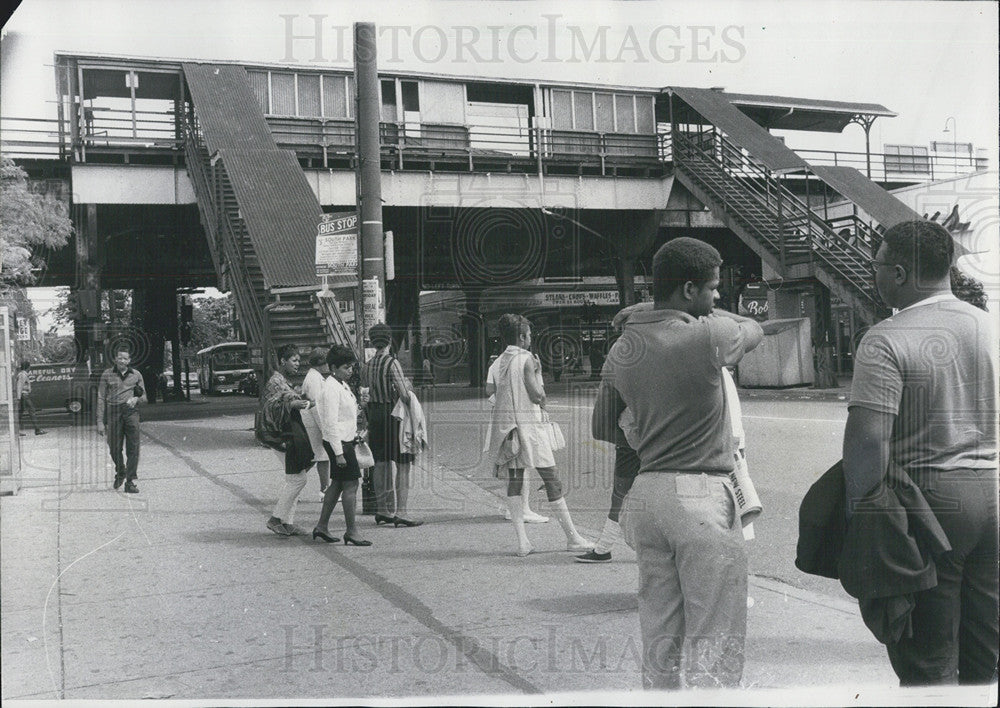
519 435
340 431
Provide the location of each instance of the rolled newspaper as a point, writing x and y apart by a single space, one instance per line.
748 504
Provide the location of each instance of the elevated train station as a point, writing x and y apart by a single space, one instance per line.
196 174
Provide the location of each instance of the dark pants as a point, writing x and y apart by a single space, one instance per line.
122 425
27 407
626 468
955 634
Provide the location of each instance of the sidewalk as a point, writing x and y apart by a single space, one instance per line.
180 592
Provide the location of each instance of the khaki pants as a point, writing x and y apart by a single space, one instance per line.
692 579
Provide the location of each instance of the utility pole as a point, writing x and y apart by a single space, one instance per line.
369 171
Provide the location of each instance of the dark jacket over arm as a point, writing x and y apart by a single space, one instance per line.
884 555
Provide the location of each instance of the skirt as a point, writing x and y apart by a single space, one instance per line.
348 472
383 434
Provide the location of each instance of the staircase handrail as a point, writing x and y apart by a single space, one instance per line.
799 206
249 307
336 324
823 241
241 283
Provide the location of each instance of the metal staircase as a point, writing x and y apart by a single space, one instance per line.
776 223
256 208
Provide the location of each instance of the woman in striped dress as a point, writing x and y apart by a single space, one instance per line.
383 375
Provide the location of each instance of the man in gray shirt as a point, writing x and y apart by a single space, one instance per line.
924 396
666 368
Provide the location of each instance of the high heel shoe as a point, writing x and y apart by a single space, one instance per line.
382 519
325 536
398 521
348 541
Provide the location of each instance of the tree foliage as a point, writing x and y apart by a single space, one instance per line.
967 288
212 322
28 222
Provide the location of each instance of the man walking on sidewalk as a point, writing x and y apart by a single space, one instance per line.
666 368
22 393
118 394
924 398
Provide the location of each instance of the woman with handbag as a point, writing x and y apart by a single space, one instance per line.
383 375
521 434
340 432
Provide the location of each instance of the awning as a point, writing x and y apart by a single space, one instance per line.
714 108
277 204
879 204
786 113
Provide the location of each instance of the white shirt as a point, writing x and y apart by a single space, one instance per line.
340 414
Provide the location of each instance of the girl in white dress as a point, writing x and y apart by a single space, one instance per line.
520 432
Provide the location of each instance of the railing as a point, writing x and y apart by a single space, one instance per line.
113 127
848 257
227 248
469 147
33 138
330 142
335 323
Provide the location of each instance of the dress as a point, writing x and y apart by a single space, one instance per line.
312 388
518 433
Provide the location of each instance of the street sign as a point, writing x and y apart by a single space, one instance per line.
337 245
374 309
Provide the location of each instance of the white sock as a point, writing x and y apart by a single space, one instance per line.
610 535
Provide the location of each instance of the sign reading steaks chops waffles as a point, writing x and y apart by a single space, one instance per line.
337 245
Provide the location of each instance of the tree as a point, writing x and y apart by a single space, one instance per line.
212 322
28 222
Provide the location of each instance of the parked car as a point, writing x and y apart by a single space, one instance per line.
167 380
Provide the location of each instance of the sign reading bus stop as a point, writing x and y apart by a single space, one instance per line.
337 245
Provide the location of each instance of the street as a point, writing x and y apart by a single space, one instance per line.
789 445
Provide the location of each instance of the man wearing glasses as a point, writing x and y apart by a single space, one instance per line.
924 397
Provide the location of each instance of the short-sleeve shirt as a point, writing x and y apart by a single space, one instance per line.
933 365
666 369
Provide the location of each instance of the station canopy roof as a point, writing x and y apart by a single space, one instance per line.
787 113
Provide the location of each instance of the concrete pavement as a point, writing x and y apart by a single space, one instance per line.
180 592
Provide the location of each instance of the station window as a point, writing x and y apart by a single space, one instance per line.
603 112
306 95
